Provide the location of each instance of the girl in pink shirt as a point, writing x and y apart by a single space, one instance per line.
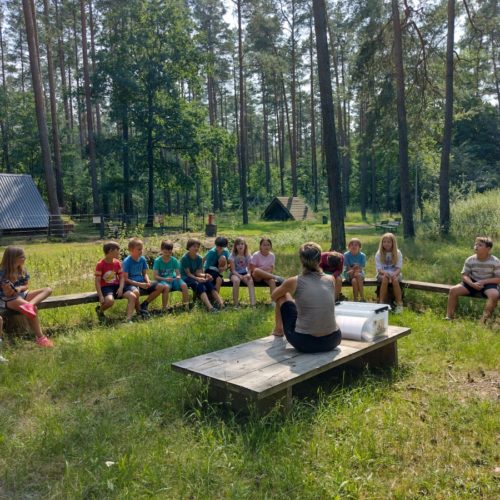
262 265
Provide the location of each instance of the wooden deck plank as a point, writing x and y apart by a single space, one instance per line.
269 365
278 376
232 362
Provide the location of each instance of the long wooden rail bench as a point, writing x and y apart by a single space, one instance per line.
264 372
74 299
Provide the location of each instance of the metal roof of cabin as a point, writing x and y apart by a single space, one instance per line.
21 205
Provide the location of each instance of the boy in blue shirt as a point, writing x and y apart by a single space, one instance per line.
216 260
355 262
135 271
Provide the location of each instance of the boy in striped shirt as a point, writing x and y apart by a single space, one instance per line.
480 278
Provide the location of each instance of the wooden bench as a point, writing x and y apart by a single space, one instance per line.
264 372
388 226
74 299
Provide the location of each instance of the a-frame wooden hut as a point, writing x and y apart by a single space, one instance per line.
288 208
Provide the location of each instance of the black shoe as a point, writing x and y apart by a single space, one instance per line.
100 315
341 297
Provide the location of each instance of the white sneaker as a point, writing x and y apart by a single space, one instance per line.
398 310
3 360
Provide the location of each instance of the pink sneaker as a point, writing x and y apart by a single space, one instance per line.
28 310
44 342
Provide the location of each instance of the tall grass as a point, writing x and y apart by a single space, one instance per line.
475 215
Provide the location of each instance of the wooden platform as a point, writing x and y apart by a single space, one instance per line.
264 371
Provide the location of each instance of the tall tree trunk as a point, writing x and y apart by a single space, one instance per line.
62 70
53 106
77 86
242 142
150 160
363 198
88 106
212 120
93 58
265 138
373 164
4 123
333 166
314 160
127 205
293 99
406 206
40 110
444 173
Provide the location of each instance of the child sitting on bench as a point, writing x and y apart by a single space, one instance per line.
388 264
135 269
14 294
110 282
480 278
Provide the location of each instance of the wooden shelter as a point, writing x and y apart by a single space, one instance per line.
22 209
287 208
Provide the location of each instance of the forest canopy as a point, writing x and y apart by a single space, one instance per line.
168 107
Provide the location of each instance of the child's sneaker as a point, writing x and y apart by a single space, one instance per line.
341 297
44 341
3 360
399 309
28 310
144 309
100 315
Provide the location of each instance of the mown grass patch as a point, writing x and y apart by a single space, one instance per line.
102 415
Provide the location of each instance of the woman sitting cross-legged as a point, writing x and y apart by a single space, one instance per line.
305 306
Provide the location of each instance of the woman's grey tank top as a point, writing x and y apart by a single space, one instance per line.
315 301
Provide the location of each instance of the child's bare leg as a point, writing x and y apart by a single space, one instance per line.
251 289
236 288
453 294
217 298
35 326
383 290
132 300
338 285
491 303
137 295
108 302
152 296
218 284
37 296
360 284
164 297
204 299
16 304
185 296
396 288
355 290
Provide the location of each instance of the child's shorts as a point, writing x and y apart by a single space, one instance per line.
199 288
152 287
174 286
400 277
214 272
113 289
479 293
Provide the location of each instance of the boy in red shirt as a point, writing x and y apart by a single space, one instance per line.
110 282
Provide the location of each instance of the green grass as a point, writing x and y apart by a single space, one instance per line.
103 416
